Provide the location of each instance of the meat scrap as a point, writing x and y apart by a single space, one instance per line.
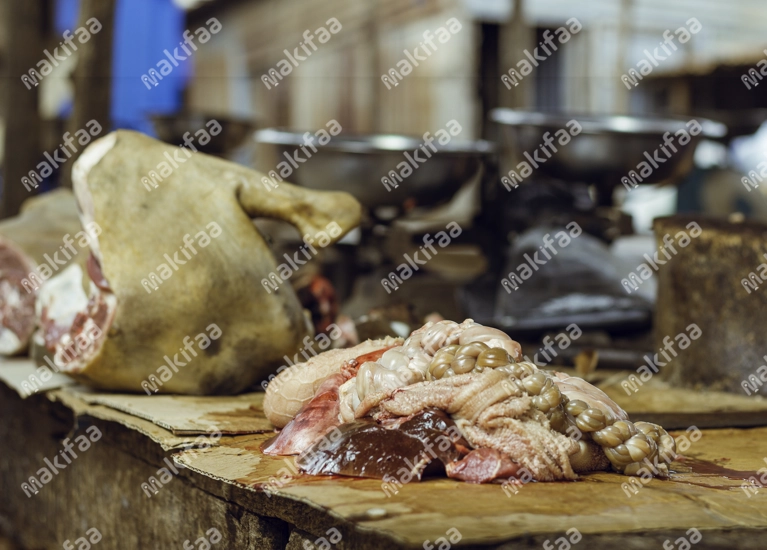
47 229
483 465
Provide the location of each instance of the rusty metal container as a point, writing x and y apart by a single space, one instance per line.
718 281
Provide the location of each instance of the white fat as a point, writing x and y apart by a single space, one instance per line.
10 294
63 296
9 342
84 356
109 298
80 172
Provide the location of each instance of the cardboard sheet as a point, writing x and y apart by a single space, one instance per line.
166 439
677 408
24 377
191 414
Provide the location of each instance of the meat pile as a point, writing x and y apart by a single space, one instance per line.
33 245
453 398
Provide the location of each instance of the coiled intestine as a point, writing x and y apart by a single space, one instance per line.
409 363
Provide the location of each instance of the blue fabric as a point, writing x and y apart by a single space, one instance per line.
143 29
65 16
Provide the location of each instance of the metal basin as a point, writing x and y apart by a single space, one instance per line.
607 148
357 164
172 128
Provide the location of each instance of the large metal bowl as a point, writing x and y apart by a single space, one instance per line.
357 164
607 148
172 128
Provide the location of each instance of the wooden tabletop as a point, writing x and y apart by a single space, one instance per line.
258 501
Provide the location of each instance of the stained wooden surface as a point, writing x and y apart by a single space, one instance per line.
597 504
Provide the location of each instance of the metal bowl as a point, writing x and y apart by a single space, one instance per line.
358 163
171 129
607 148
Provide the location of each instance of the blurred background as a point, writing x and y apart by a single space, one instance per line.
625 72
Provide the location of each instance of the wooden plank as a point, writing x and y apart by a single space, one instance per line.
22 120
101 488
93 75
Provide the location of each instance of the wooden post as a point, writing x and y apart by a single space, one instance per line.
22 120
93 75
714 281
